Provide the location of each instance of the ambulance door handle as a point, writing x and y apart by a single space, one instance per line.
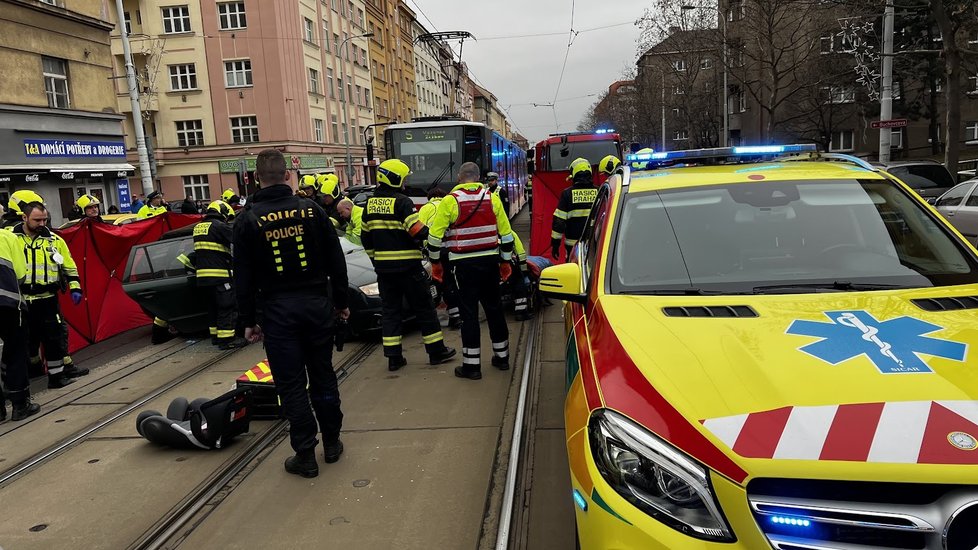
149 295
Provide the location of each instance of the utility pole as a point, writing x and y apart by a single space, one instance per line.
886 95
664 148
137 116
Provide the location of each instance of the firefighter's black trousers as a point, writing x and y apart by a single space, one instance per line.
298 332
13 332
44 325
478 282
412 285
222 312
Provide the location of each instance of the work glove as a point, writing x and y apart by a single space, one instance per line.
76 297
505 270
437 272
555 249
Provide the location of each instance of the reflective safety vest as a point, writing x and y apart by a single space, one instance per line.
148 211
428 210
12 270
571 214
475 228
49 264
212 251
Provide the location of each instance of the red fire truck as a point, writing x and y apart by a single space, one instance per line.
551 160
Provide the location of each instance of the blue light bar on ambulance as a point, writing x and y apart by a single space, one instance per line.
721 152
604 131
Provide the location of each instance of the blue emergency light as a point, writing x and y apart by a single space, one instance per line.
722 152
791 521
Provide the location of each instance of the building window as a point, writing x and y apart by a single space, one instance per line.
59 3
825 44
237 74
190 133
678 90
842 141
842 94
336 43
735 11
896 138
680 135
319 128
335 127
244 129
706 63
183 77
329 83
128 19
971 133
56 82
359 18
197 187
176 19
339 88
314 81
974 85
679 65
359 95
232 15
308 33
366 98
897 90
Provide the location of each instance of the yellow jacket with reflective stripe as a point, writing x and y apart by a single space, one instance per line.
148 211
212 250
12 270
44 273
428 210
447 215
390 232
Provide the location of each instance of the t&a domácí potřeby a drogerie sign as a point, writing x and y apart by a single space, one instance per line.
62 148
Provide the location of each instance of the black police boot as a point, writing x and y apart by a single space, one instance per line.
454 322
332 451
215 341
442 356
395 363
471 374
23 410
74 371
3 408
524 315
303 464
233 343
501 363
59 380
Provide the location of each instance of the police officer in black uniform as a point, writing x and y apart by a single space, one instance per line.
392 234
287 257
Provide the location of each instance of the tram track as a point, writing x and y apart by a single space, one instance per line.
49 453
183 518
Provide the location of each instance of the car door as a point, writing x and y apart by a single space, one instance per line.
948 203
157 280
965 219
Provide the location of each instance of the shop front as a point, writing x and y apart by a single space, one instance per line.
63 155
243 170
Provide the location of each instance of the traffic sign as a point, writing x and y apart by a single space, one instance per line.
894 123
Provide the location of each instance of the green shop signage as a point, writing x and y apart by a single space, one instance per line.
306 162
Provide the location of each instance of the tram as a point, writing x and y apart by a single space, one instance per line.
435 148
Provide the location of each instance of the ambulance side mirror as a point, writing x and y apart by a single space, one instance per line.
563 282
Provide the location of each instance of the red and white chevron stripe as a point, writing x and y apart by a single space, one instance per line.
894 432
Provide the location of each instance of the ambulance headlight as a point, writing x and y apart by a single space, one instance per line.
373 289
656 477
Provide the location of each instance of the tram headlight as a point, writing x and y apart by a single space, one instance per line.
656 477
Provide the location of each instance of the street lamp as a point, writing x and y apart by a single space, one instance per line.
346 104
724 111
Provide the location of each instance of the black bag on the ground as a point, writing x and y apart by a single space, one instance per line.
200 424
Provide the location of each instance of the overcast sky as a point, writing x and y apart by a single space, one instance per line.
521 71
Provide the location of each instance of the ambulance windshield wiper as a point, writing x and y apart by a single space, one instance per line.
689 291
835 286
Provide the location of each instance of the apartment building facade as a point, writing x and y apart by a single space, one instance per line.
220 81
60 121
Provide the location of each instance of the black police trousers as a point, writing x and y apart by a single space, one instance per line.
449 292
223 316
298 331
13 332
44 325
412 285
478 282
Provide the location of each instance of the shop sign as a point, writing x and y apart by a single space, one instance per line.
125 199
69 148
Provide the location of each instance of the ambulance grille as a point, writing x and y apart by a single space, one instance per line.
836 515
709 311
947 304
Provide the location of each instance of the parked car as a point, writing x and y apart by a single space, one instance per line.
960 207
929 178
160 284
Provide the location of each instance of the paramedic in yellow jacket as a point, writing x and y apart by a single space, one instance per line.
50 269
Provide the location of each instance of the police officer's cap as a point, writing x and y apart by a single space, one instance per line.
492 176
393 172
609 164
153 195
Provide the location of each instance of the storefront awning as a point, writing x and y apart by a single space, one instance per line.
30 173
